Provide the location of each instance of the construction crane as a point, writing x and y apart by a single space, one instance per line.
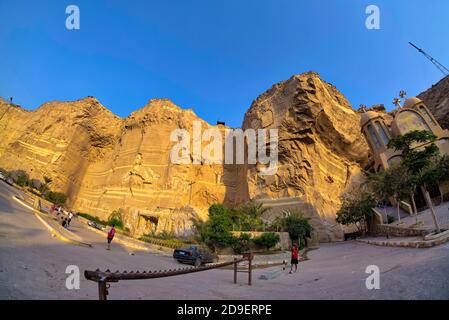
440 67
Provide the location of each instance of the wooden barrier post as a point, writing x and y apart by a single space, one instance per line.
235 270
102 290
250 268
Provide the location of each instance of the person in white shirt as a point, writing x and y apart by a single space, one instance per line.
69 218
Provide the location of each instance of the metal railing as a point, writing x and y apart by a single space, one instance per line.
103 277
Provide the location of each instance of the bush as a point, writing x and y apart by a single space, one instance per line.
92 218
242 243
56 197
116 219
164 235
216 232
21 178
169 243
356 209
267 240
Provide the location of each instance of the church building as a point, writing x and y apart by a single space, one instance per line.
413 115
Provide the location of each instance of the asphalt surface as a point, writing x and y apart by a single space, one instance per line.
33 265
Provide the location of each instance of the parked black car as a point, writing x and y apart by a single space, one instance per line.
95 225
196 255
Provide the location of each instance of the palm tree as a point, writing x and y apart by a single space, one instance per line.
44 187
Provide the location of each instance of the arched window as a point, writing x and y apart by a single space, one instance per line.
427 114
383 134
408 120
373 136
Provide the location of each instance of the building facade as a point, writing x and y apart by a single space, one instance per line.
413 115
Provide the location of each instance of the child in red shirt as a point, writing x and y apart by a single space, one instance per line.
111 235
295 256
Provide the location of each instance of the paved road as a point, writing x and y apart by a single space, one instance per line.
32 266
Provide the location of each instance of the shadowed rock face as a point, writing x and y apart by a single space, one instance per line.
437 99
104 163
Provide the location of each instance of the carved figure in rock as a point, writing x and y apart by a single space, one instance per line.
139 175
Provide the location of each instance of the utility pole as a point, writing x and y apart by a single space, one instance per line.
437 64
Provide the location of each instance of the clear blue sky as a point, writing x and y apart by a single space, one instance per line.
215 56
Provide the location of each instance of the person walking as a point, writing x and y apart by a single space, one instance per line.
294 260
69 219
111 235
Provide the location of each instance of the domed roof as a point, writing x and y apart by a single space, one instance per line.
367 116
410 102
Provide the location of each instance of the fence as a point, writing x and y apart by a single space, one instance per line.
103 277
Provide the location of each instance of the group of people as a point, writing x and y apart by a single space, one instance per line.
63 216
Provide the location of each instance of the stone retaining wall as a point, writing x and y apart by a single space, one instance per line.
394 231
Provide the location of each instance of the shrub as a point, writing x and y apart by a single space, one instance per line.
116 219
92 218
267 240
216 232
248 217
242 243
56 197
164 235
21 178
169 243
356 208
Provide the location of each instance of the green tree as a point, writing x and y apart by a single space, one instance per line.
396 182
216 231
437 172
298 227
356 208
418 151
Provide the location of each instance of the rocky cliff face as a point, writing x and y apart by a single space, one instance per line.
105 163
58 140
437 99
321 149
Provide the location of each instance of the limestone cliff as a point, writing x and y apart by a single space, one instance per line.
321 149
437 99
58 140
104 163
